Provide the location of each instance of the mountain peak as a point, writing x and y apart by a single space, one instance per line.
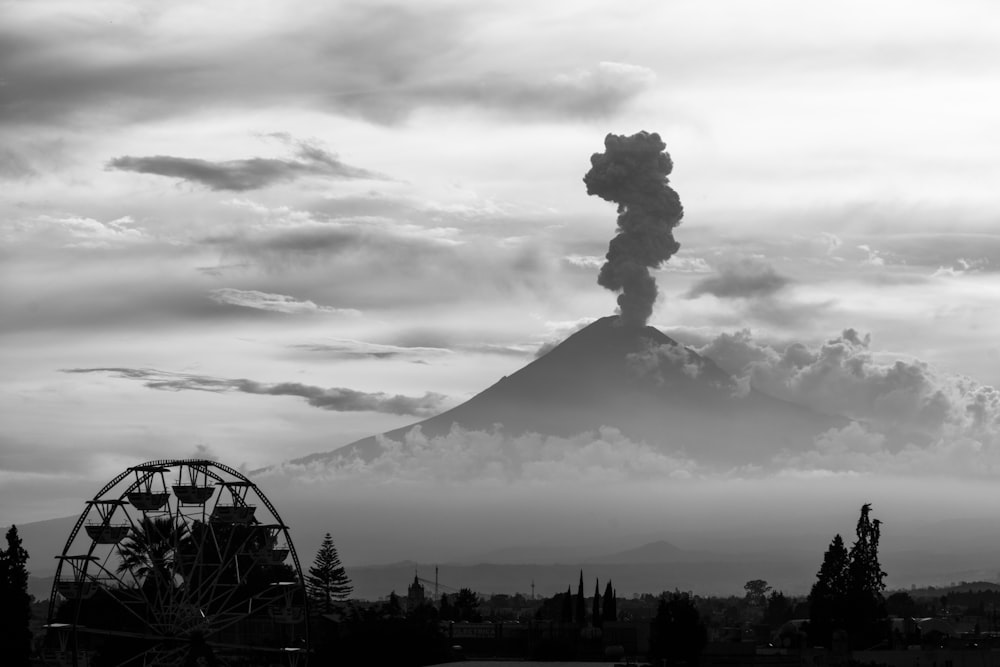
635 379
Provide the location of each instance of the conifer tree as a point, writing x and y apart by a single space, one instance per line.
596 617
865 580
581 605
609 612
15 603
567 608
828 597
327 580
847 594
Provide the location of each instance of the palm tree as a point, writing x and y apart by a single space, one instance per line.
151 547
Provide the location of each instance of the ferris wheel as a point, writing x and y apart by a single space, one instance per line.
178 562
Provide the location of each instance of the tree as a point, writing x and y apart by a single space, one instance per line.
581 605
567 606
150 548
827 599
595 612
467 605
445 610
901 604
778 611
327 581
609 612
15 603
847 594
757 590
678 634
865 582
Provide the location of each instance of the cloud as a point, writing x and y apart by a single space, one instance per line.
378 262
843 376
242 175
380 61
14 167
745 278
680 263
661 361
355 349
860 448
584 261
463 456
333 398
76 231
278 303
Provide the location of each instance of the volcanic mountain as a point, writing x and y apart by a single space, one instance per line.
637 380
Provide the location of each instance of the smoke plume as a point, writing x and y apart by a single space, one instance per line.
632 172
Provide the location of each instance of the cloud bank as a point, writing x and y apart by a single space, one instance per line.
338 399
242 175
278 303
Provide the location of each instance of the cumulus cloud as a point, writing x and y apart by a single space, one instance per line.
656 360
844 376
332 398
246 174
278 303
745 278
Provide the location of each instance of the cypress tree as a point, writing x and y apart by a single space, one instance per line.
15 603
595 616
567 606
609 612
581 604
327 580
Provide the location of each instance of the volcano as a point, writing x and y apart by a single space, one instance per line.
637 380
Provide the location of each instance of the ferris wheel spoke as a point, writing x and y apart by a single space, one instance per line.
238 615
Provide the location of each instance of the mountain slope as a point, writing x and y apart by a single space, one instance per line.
639 381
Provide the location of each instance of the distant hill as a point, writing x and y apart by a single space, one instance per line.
44 540
637 380
654 552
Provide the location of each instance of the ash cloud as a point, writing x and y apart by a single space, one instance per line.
632 172
337 399
242 175
745 278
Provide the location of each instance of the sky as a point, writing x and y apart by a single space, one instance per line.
253 231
